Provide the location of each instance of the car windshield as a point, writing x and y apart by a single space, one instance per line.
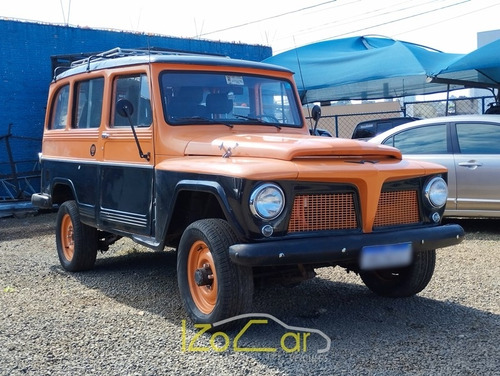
228 98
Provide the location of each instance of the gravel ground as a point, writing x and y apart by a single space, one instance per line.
125 317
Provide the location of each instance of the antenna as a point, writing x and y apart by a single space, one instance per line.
69 10
301 77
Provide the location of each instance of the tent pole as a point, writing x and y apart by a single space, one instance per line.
447 98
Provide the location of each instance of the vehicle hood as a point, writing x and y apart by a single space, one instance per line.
285 147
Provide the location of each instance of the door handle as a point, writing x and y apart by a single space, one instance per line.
104 135
470 164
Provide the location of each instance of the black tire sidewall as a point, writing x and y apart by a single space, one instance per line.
235 284
84 238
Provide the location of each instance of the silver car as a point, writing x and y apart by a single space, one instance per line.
469 146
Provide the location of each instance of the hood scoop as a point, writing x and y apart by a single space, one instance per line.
287 147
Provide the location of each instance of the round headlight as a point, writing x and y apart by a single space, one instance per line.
436 192
267 201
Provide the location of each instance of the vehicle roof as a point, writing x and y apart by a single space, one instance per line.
386 119
443 119
89 64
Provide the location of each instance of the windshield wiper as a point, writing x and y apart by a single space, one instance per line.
207 120
260 121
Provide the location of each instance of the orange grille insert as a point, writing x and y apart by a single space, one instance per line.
323 212
397 207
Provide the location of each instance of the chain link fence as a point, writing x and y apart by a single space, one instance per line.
342 124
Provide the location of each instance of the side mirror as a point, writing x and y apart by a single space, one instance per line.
124 108
316 113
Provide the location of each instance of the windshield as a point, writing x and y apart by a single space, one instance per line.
226 98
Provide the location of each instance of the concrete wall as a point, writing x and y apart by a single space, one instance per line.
25 71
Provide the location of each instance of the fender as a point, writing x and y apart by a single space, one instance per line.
166 199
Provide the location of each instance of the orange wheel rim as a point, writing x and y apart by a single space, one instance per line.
67 241
200 257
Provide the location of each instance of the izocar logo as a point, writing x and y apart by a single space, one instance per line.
294 340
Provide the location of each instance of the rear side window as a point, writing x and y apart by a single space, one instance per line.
134 88
478 138
366 130
59 112
385 126
422 140
88 103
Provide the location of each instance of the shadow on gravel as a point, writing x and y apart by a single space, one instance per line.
143 280
491 225
417 333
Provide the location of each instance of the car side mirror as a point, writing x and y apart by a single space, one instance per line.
124 108
316 113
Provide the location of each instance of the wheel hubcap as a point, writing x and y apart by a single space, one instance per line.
204 276
201 277
67 241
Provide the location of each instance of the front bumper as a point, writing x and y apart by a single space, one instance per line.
340 249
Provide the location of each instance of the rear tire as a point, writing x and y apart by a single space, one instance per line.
212 288
403 282
76 242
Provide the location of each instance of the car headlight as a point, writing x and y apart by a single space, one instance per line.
436 192
267 201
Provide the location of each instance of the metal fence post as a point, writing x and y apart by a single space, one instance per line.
336 126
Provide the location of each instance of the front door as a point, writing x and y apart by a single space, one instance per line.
126 201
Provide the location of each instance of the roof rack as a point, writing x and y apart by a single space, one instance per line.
61 63
123 52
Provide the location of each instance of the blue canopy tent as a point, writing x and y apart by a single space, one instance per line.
479 68
378 67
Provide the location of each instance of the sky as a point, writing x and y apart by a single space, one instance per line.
446 25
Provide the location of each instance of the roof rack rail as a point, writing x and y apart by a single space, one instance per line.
61 63
123 52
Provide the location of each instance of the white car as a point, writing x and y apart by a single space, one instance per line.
469 146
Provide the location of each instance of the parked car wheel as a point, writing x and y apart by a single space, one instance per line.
76 242
212 288
402 282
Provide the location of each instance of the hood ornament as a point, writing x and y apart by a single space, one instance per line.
227 151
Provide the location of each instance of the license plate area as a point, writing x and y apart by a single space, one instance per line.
386 256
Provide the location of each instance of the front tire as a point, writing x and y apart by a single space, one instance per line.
403 282
212 288
76 242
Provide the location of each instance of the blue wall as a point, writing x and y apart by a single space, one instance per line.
25 69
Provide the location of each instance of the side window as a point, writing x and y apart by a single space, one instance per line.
478 138
389 141
88 103
59 117
134 88
422 140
